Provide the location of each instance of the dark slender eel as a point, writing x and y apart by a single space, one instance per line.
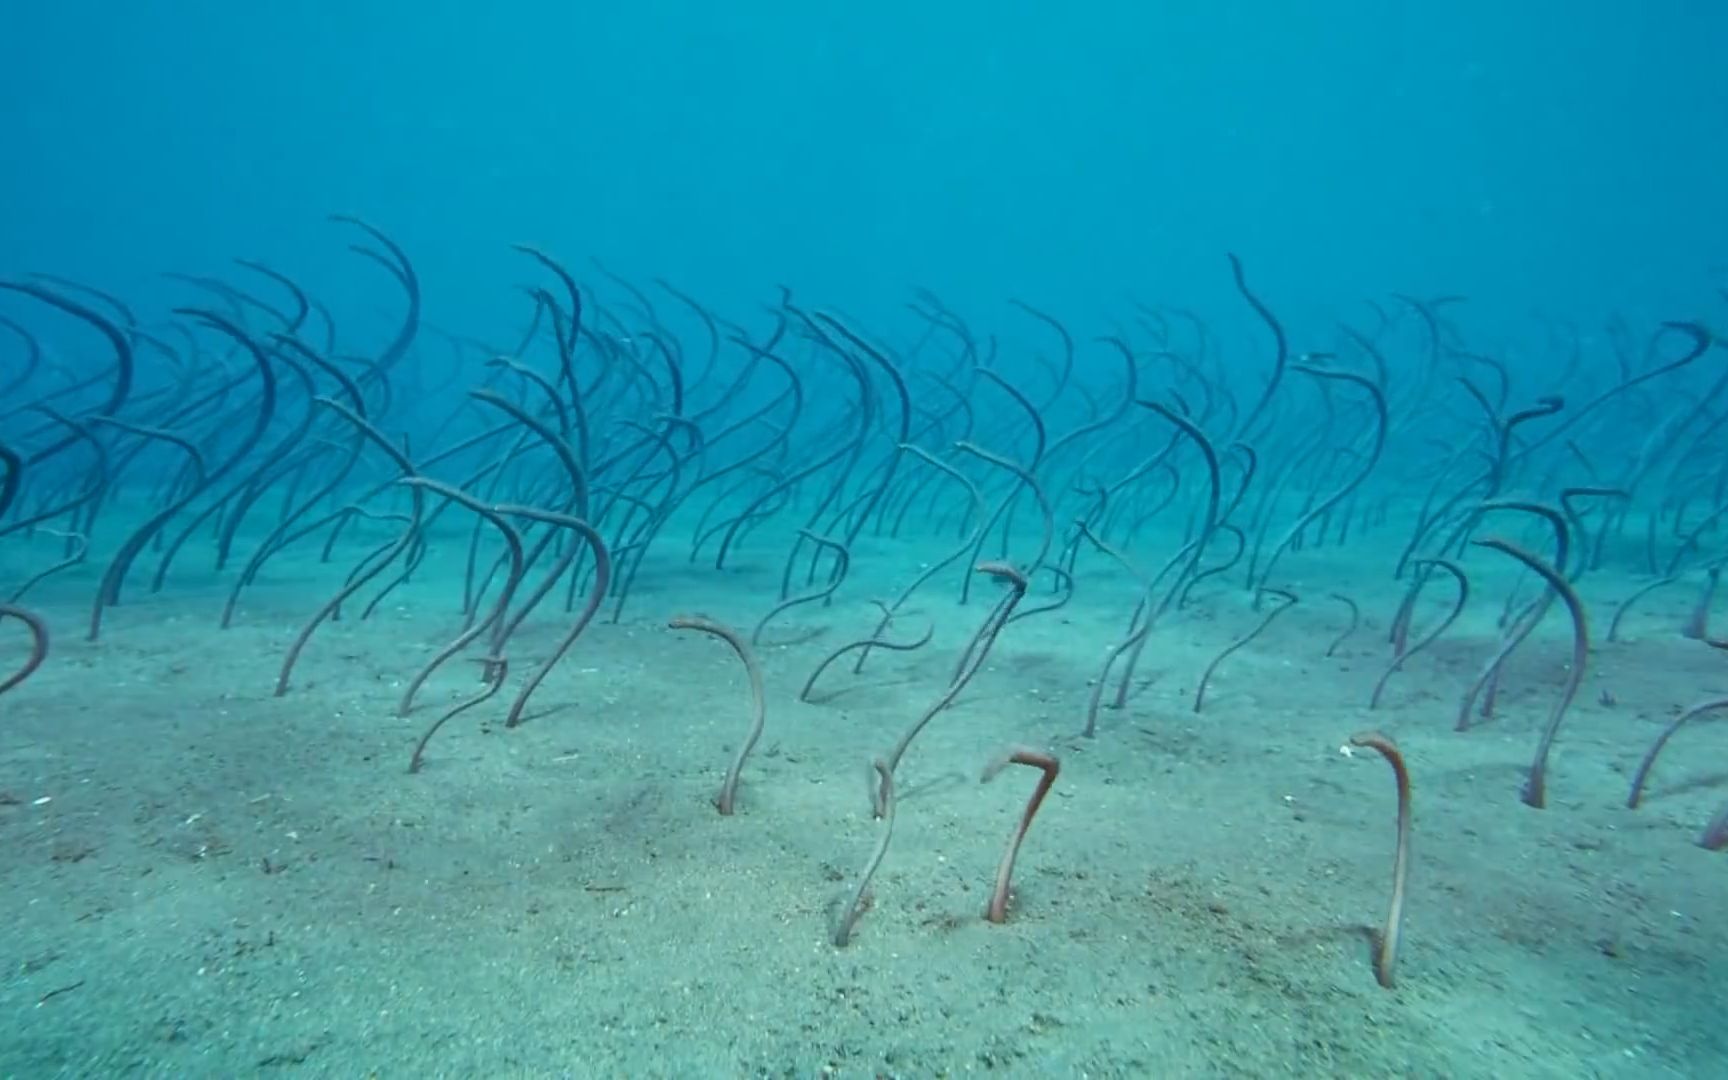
1639 778
367 570
1350 628
1701 341
1386 950
195 456
101 477
108 591
976 651
1137 630
74 555
276 461
302 304
1131 388
1445 624
403 271
495 619
497 668
1715 835
883 799
1555 518
1279 358
905 435
673 357
1289 599
975 516
279 536
1350 485
866 643
1567 496
38 643
1222 567
1503 429
1146 616
1067 369
785 484
729 790
14 464
835 580
541 382
575 508
997 911
116 337
1209 523
1698 623
1004 510
794 393
596 596
1488 681
708 322
31 363
1028 480
567 347
1535 792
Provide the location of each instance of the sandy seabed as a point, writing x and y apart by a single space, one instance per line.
203 879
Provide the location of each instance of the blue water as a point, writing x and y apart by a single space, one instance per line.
1482 255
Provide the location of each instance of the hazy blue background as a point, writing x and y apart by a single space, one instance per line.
1563 156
